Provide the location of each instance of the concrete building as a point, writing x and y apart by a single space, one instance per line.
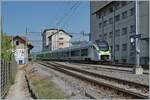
21 50
114 21
54 39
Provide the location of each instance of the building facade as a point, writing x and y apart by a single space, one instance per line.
114 21
55 39
21 50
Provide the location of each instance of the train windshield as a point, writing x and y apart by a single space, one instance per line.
103 46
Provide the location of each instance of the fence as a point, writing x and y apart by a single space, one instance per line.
7 74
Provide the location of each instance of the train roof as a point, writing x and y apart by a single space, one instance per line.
84 45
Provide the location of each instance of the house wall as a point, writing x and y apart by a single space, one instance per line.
60 40
21 53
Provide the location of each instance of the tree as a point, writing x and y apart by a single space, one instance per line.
6 47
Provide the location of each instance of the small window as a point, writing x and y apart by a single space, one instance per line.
124 31
117 18
105 36
117 32
124 15
116 47
105 23
132 28
98 15
132 11
61 43
123 3
124 47
61 38
100 25
17 42
110 34
110 20
117 5
111 9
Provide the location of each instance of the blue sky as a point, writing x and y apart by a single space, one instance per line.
37 16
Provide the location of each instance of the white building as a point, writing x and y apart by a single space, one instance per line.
54 39
21 51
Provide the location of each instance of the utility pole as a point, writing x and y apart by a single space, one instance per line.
26 46
137 69
113 46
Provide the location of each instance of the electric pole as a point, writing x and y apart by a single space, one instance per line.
135 39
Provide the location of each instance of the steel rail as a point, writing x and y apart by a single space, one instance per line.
115 69
67 71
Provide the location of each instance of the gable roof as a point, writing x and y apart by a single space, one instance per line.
22 38
56 32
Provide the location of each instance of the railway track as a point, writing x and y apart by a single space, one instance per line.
121 88
89 66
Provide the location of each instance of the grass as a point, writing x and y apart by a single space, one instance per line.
46 89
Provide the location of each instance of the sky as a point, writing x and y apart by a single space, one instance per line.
72 16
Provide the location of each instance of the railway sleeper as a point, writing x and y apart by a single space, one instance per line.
101 83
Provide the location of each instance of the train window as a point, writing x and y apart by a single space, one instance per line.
84 52
103 46
75 53
67 53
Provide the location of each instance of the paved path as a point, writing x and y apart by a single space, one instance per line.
19 90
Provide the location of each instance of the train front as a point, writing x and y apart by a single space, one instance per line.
104 51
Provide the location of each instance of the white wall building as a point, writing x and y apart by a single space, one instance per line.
21 51
54 39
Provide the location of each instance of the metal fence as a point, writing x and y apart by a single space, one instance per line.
7 75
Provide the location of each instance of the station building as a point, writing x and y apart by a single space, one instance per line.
114 21
21 49
55 39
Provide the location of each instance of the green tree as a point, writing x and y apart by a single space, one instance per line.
6 47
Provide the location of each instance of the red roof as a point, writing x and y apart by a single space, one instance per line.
22 39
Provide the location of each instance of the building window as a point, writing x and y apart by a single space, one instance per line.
105 23
110 20
124 15
61 43
104 12
132 29
110 34
98 15
124 31
116 47
17 42
117 5
124 47
132 11
100 25
111 9
123 3
61 38
105 36
124 60
117 18
100 35
117 32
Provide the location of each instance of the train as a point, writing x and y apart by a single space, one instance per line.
91 52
